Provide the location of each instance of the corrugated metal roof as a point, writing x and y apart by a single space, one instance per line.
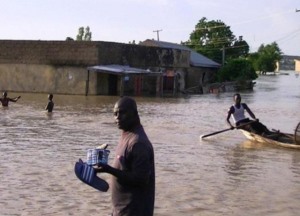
120 69
196 59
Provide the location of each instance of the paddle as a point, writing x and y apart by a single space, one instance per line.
228 129
214 133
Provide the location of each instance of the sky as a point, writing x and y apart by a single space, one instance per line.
122 21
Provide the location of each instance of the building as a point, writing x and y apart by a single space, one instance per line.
297 65
66 67
287 62
194 78
126 80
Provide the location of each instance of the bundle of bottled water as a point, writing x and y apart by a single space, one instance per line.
97 156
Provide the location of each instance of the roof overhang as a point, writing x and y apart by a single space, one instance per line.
204 65
122 70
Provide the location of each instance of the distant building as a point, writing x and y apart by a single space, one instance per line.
297 65
193 79
85 67
287 63
103 68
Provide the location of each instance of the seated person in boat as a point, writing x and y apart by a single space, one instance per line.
237 112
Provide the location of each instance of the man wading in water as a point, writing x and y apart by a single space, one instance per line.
50 104
5 100
133 182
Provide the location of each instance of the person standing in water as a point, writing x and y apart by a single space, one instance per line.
133 169
5 100
50 104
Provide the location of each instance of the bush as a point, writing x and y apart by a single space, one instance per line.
237 70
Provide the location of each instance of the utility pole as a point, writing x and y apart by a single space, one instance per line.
223 55
157 32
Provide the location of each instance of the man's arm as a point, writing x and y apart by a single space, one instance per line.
249 111
48 106
140 168
14 99
230 111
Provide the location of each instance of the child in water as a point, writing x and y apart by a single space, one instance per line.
50 104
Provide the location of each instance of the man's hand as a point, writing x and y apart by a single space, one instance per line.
102 168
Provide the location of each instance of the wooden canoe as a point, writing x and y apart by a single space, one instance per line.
282 139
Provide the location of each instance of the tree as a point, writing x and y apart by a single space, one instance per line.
87 34
69 39
133 42
237 70
264 60
80 34
84 34
240 47
215 40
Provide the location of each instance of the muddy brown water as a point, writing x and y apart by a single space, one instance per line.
221 175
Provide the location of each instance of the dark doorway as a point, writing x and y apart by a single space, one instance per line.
112 84
168 83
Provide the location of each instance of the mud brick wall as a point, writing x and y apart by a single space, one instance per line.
60 66
48 52
88 53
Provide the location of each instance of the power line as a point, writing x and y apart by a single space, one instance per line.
218 48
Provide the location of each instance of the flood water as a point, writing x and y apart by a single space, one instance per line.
221 175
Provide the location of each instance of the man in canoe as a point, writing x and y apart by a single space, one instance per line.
237 112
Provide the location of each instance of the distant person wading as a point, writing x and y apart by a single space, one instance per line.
50 104
5 100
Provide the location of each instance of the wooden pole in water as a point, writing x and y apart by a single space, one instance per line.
87 83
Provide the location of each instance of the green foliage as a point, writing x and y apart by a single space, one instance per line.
240 49
237 70
264 60
210 38
133 42
84 34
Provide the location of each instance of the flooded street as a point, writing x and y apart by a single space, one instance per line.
221 175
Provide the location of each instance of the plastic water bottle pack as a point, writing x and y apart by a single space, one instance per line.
96 156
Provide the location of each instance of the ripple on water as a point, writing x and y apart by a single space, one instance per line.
221 175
